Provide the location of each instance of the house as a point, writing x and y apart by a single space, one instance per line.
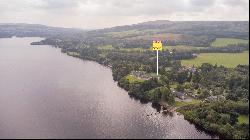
138 73
179 95
211 99
221 97
194 55
191 93
141 75
190 69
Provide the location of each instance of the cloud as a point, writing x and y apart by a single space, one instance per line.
202 3
107 13
56 4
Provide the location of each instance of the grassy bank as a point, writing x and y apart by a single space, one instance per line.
229 60
221 42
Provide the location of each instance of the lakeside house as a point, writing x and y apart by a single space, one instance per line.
211 98
141 75
110 66
214 98
194 54
190 93
190 69
179 95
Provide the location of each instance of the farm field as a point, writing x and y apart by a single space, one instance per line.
229 60
185 103
133 79
124 34
221 42
243 119
106 47
182 48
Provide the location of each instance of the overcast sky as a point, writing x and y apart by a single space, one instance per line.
92 14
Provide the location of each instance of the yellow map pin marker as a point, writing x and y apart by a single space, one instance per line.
157 45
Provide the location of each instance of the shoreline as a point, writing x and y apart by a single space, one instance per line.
162 107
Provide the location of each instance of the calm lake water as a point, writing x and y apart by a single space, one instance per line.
47 94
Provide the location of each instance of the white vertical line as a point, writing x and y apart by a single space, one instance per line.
157 62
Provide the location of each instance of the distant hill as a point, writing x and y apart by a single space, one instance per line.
192 33
34 30
195 33
216 28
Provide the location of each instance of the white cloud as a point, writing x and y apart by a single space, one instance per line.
107 13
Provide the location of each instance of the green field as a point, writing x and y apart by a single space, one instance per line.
106 47
229 60
221 42
133 79
124 34
133 49
181 48
184 103
243 119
